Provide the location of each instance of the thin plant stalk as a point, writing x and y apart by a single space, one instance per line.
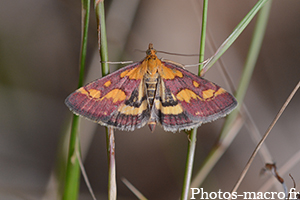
203 36
245 170
112 185
71 186
110 140
189 164
193 132
218 150
102 39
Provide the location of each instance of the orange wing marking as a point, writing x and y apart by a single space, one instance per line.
220 91
168 73
83 91
116 95
130 110
168 110
107 83
92 93
186 95
208 93
195 84
211 94
135 73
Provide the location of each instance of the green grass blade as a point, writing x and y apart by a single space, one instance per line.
72 180
234 35
71 188
85 22
257 39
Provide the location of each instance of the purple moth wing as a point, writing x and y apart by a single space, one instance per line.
185 101
117 100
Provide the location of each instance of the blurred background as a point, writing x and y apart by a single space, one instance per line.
39 65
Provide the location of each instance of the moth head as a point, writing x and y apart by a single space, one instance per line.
150 50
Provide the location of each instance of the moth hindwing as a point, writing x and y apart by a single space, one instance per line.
150 92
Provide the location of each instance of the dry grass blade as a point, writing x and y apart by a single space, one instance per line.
112 186
256 136
135 191
264 138
85 177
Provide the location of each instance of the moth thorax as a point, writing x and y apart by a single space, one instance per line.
151 84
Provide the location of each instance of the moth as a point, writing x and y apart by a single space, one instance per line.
151 92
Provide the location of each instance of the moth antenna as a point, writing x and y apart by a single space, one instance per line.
177 54
184 66
169 53
115 63
142 51
173 62
194 65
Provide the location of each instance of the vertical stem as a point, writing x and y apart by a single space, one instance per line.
189 164
193 133
102 40
71 188
84 34
203 36
112 186
110 139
